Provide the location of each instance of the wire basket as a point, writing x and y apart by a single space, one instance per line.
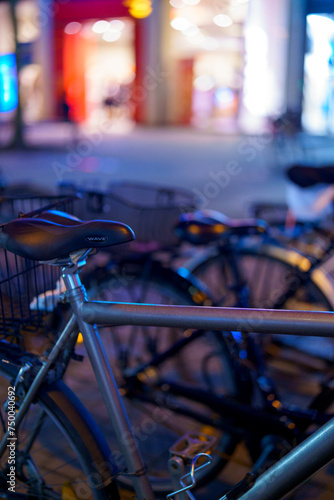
13 207
273 213
150 210
23 280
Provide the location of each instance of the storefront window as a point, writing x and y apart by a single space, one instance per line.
207 49
98 85
318 105
8 75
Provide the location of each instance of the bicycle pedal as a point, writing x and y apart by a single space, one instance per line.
191 444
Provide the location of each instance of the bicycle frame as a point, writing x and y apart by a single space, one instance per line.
305 460
295 468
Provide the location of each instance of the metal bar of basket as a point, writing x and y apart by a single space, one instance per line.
55 204
211 318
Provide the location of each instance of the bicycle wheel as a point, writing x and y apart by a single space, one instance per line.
58 452
276 278
296 364
156 415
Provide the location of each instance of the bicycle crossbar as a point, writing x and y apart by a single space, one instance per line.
307 323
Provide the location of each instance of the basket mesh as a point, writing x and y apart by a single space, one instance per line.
272 213
151 211
22 280
29 206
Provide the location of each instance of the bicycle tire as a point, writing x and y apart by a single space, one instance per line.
177 290
93 462
268 264
293 260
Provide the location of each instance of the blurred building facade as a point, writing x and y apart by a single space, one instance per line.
219 65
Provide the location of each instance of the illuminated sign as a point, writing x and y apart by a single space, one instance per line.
139 8
8 83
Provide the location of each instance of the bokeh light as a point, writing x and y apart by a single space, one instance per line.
100 26
204 83
111 35
180 23
223 20
72 28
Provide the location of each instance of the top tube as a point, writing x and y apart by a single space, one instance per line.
307 323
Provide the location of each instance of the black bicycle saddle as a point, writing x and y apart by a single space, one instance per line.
306 176
206 226
42 240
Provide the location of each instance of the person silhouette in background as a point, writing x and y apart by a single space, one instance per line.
69 118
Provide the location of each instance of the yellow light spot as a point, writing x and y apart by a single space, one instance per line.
305 264
208 430
198 297
292 257
139 9
150 372
67 492
291 425
147 375
194 229
276 404
80 339
218 228
271 397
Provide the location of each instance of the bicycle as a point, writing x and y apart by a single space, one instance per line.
167 220
49 242
241 249
145 276
230 258
223 244
257 271
54 217
153 276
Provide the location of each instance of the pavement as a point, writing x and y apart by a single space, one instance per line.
223 172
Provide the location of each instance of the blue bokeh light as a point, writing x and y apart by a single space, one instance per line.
224 97
8 83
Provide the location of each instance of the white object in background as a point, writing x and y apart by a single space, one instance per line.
310 204
48 300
